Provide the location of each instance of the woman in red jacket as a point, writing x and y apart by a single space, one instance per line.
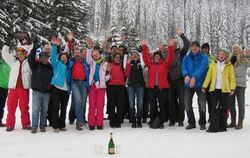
116 92
157 84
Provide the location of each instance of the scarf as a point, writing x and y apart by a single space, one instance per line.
99 61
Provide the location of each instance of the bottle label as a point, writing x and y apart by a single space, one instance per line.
111 150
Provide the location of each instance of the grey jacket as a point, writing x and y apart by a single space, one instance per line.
241 72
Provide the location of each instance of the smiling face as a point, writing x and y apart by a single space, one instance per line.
135 56
96 55
157 58
47 48
77 54
64 58
236 50
84 53
117 59
20 56
195 49
221 56
205 50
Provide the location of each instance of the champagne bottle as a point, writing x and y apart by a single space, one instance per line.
111 146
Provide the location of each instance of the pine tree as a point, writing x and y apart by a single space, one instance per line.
69 16
133 39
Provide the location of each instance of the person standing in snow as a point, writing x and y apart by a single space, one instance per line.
4 78
60 86
241 63
40 84
136 88
221 82
19 83
97 81
157 84
72 115
205 48
116 86
194 69
176 82
79 74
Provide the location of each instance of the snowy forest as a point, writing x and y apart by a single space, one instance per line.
218 22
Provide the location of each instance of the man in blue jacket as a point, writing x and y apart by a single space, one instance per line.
194 69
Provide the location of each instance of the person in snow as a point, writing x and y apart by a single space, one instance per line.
194 69
220 82
136 87
79 74
19 83
205 48
158 85
241 63
72 115
176 82
60 86
40 84
97 81
116 86
4 79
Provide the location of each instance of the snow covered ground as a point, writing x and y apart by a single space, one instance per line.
132 143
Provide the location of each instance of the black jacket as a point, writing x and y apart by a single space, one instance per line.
41 74
175 68
135 77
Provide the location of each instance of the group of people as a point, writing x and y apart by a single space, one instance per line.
138 84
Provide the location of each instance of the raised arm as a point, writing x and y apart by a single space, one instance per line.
32 57
145 54
8 58
170 55
185 40
89 58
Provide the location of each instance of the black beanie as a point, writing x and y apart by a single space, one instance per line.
205 45
196 43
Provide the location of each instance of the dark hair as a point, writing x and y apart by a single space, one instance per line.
123 46
205 45
98 48
61 54
158 53
113 46
115 54
196 43
43 54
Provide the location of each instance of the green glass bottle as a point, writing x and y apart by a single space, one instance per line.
111 146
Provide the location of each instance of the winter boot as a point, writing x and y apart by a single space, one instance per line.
232 124
139 125
133 123
240 125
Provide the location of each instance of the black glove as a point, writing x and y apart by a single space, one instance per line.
8 39
36 42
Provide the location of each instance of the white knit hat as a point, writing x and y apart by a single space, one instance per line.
237 45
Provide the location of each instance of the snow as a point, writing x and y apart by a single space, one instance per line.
132 143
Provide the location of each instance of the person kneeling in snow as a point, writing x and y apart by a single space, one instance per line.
221 79
19 84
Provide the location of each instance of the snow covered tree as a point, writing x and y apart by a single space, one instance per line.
69 16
